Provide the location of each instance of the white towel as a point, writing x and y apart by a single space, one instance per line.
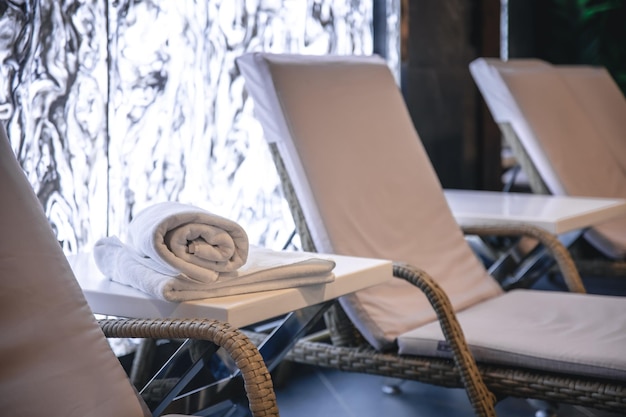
178 252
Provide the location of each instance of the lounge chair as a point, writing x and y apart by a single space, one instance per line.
566 126
54 357
359 182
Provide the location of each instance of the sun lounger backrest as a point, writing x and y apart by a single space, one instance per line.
505 110
54 358
585 166
605 106
364 181
487 77
560 114
604 103
571 122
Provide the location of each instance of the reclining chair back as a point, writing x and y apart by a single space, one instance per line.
603 101
349 164
571 122
54 359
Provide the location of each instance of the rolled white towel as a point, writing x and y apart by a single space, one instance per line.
180 238
178 252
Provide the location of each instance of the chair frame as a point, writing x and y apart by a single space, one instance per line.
257 381
485 384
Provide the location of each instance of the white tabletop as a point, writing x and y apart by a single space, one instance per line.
556 214
111 298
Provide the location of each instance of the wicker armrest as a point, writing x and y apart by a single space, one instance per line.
482 399
558 251
256 377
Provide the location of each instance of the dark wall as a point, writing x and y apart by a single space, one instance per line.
571 32
444 37
574 32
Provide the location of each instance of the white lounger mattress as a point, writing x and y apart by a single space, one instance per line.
546 330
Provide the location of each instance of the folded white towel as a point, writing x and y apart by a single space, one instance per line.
178 252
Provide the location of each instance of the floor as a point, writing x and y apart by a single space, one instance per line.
306 391
314 392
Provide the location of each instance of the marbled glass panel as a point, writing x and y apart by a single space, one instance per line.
115 105
394 60
180 129
53 99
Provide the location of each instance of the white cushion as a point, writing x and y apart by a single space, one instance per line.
364 181
487 73
577 334
573 143
605 105
54 359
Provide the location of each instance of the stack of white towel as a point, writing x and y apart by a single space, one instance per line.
179 252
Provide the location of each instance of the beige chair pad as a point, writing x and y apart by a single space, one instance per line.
528 328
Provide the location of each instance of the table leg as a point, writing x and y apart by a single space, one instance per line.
228 391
